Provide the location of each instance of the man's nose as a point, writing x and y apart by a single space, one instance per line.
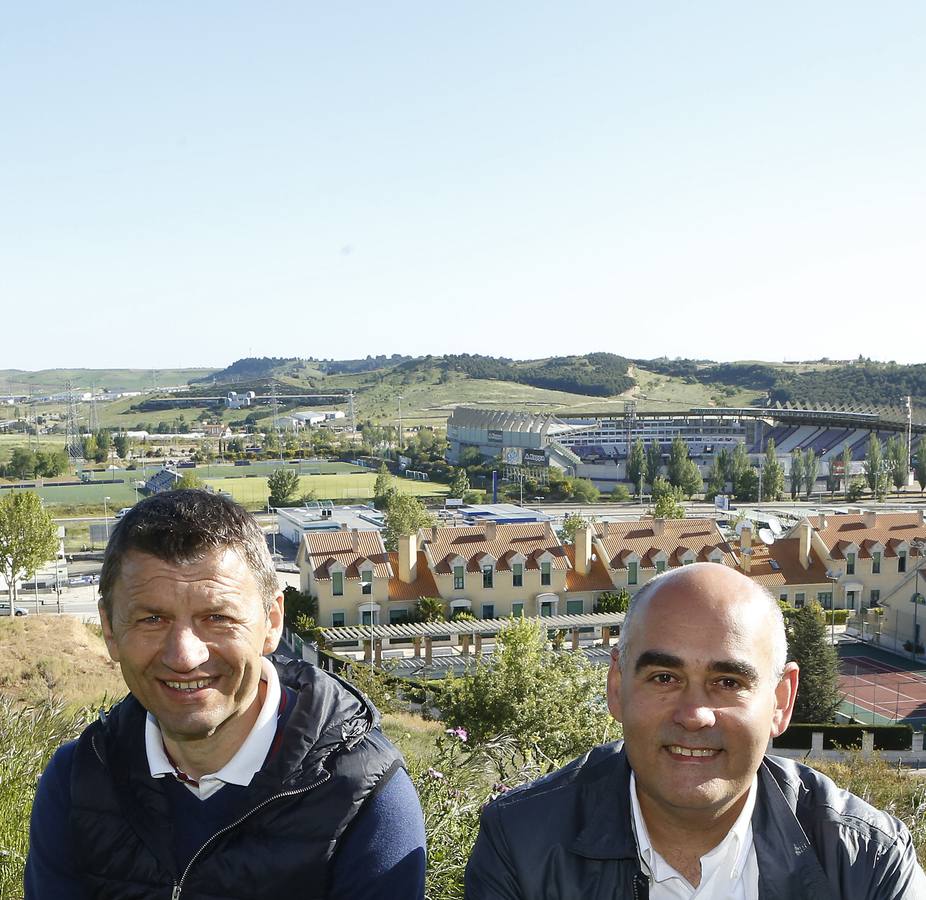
183 649
693 710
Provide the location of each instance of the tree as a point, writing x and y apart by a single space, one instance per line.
583 491
797 472
283 485
609 602
547 702
459 485
636 463
104 441
571 524
188 481
716 479
773 475
121 443
919 464
818 696
653 461
875 476
22 463
811 469
619 494
430 609
747 488
297 605
739 465
88 447
405 514
667 500
683 471
898 471
383 487
28 537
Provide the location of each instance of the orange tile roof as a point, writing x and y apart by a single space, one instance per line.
889 529
678 535
530 539
785 552
596 580
347 547
423 585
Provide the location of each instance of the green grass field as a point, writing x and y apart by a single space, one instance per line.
253 492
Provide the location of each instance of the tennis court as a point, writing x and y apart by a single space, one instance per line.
881 688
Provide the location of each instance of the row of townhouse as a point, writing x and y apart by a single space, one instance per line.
494 570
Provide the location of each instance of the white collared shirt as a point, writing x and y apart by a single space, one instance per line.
246 762
728 872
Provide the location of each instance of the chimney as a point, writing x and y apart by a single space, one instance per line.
584 550
354 540
822 521
869 518
922 516
490 531
659 527
434 534
804 532
408 557
746 548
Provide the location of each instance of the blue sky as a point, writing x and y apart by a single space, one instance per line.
186 184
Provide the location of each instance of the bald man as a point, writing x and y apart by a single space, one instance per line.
688 805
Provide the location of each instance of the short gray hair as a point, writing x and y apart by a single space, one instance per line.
777 620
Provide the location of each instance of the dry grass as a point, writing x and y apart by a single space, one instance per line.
46 657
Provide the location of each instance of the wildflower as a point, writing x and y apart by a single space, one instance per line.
433 773
459 732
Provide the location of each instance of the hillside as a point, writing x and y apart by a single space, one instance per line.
53 381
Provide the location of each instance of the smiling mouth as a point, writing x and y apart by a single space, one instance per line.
188 686
694 752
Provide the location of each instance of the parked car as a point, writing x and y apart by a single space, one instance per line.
19 610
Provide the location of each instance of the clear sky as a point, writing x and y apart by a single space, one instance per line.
190 183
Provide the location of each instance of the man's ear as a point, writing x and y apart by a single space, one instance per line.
614 685
274 623
785 695
111 645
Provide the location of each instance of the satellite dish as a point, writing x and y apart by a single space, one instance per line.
766 536
775 526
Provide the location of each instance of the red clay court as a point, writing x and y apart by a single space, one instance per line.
881 688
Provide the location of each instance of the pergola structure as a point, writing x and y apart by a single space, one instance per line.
465 634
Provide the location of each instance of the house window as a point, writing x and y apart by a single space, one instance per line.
825 599
337 620
458 578
783 596
396 615
488 610
876 563
799 599
517 575
517 610
367 618
688 560
631 573
850 599
337 584
545 573
546 608
660 566
575 607
366 582
850 564
901 560
875 598
487 576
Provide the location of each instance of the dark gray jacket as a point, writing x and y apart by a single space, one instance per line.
569 835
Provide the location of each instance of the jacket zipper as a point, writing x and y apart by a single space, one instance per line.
178 886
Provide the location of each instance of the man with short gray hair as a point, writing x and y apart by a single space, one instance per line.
688 805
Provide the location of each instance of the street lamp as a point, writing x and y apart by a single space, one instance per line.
833 576
106 517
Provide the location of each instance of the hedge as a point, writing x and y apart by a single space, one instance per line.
836 737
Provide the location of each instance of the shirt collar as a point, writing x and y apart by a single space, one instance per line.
248 759
735 846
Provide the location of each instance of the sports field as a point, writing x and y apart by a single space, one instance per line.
253 492
881 687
